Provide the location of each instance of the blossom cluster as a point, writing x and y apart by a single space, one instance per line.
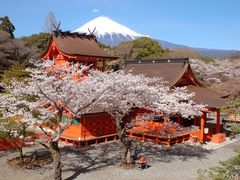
216 71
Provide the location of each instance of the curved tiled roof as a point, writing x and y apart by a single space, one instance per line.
74 44
173 70
170 70
206 96
77 45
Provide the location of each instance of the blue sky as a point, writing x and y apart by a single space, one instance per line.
196 23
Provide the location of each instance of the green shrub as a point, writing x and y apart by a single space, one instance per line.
226 170
235 129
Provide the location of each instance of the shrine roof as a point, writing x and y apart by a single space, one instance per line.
170 70
79 44
207 96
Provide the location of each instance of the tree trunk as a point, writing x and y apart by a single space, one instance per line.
126 153
126 156
57 166
129 156
20 149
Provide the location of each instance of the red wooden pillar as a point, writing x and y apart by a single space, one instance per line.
195 120
218 122
104 64
85 61
202 126
94 64
82 128
178 119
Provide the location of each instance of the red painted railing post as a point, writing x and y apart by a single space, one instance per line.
218 122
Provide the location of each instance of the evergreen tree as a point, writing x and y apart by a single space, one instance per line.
16 71
38 41
141 48
7 26
147 48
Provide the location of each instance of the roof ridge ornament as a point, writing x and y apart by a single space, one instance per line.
183 61
57 30
73 34
92 32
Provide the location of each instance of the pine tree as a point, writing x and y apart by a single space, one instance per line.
7 26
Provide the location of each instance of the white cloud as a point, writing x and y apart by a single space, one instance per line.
95 10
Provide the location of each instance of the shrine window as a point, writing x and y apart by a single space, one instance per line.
64 119
74 121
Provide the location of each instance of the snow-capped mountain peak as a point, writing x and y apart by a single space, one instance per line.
108 31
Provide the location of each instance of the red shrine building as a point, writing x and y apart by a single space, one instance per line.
177 72
84 49
97 125
74 47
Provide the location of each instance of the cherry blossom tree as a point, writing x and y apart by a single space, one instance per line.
129 91
221 75
216 71
16 130
44 97
16 120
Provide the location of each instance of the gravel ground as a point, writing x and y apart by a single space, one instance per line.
101 162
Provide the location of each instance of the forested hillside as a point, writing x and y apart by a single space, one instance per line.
15 52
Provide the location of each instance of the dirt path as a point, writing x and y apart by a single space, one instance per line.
101 162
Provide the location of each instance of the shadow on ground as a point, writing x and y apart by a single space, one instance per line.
168 154
96 157
7 152
77 161
90 158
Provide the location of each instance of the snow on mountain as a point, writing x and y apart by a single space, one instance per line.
108 31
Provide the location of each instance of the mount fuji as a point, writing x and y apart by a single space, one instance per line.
108 31
112 33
